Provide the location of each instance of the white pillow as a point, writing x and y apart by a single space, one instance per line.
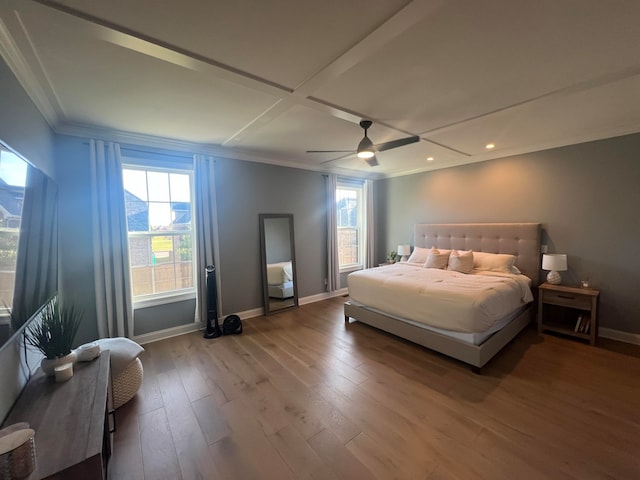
419 255
437 258
461 261
123 352
494 262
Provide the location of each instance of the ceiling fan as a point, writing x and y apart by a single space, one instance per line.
367 150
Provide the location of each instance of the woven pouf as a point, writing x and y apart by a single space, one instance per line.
127 383
126 367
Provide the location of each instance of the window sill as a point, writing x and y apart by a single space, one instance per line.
156 301
351 269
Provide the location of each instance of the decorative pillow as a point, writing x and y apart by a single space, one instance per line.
437 259
461 261
494 262
419 255
123 352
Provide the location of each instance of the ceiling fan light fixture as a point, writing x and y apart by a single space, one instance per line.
365 148
365 154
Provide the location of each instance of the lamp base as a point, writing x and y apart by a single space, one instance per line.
554 278
404 258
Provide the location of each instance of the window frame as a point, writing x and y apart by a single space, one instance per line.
176 295
358 187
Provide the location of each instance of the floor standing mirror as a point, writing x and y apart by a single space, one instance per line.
278 262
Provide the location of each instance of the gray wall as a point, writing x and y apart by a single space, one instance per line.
586 196
160 317
23 128
75 237
243 191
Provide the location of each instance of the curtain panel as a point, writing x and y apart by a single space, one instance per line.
114 305
333 268
206 231
369 225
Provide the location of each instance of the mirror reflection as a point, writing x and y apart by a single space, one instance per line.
13 179
278 262
28 241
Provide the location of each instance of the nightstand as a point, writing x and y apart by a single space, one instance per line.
568 310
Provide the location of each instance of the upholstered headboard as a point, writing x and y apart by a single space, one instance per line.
519 239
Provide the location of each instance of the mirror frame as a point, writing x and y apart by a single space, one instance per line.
263 254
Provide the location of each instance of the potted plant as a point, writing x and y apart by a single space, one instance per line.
53 335
393 256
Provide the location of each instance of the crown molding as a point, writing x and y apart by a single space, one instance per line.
151 141
17 63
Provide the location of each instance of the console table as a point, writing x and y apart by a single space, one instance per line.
70 420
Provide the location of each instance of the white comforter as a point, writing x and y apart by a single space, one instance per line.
279 273
440 298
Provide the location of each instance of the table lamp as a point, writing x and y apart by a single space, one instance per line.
555 263
405 251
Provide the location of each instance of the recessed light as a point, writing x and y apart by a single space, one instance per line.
490 146
429 159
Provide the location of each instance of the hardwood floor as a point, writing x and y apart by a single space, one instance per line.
301 394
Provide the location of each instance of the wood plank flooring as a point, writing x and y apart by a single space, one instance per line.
303 395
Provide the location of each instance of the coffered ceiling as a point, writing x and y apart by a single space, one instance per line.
268 80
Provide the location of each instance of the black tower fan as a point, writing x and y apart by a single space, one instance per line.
212 331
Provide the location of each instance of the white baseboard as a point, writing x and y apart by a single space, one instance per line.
258 312
255 312
323 296
167 333
619 335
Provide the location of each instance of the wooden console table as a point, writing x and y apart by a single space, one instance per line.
70 421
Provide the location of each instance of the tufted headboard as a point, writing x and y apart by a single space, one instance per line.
519 239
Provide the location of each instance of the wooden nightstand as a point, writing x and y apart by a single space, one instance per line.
568 310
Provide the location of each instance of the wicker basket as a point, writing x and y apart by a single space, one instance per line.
17 454
127 383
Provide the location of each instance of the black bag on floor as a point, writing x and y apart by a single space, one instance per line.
232 325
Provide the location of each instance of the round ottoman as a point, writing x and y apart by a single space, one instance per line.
126 368
127 383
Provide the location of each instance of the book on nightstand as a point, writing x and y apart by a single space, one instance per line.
578 324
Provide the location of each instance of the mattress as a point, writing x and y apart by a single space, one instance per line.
281 291
279 273
444 299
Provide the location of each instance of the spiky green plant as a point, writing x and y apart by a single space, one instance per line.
53 335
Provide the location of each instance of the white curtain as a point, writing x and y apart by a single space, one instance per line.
114 305
369 226
333 269
206 230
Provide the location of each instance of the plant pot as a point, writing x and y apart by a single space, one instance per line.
49 364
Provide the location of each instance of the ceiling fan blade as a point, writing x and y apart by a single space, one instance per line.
346 155
331 151
373 161
396 143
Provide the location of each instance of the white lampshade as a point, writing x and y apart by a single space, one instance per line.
554 262
405 251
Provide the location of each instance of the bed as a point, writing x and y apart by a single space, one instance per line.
280 279
380 296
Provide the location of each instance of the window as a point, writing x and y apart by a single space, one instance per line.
159 206
350 218
13 177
